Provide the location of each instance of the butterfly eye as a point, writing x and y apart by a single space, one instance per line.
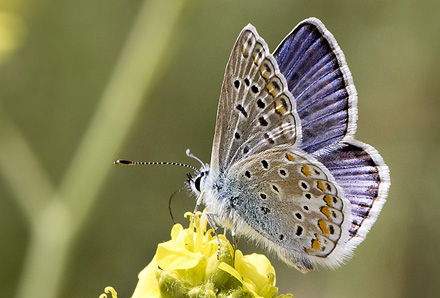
197 182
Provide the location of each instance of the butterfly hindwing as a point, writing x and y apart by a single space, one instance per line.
292 203
361 172
256 111
319 79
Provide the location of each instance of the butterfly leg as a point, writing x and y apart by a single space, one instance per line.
210 217
198 202
234 244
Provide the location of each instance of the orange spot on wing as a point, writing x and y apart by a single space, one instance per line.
306 171
290 157
271 90
280 107
323 226
320 186
328 200
316 245
326 211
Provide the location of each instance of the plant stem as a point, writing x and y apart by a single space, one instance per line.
57 226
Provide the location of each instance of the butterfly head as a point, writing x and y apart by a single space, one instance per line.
197 182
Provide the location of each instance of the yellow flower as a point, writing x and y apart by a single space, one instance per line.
188 266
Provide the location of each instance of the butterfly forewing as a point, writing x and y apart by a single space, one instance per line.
256 111
319 79
292 201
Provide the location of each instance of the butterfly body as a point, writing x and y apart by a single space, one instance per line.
285 168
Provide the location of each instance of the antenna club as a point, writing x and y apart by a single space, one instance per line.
123 162
189 154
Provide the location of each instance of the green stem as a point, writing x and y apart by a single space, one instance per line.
22 171
138 68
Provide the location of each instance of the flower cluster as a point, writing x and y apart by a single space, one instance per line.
189 265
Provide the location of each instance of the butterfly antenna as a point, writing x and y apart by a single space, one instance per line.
189 154
131 163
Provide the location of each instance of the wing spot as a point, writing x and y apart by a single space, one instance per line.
260 104
282 105
290 157
299 230
248 174
332 229
298 215
263 121
237 136
329 188
263 196
274 87
283 173
281 237
265 164
245 149
305 170
316 245
324 227
242 110
237 84
266 70
305 207
275 188
308 195
246 81
255 89
304 185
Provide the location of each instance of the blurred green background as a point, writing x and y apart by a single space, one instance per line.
85 82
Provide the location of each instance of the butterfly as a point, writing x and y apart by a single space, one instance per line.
285 167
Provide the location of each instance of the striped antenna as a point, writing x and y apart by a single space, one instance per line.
131 163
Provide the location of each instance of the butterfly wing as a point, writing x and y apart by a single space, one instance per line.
256 110
361 172
319 79
286 199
